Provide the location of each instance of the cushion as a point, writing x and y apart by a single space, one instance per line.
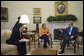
7 48
15 52
5 34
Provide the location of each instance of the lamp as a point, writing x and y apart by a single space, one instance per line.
24 19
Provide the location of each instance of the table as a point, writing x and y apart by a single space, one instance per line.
29 36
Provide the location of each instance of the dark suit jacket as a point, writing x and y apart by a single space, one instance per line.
16 26
15 37
74 31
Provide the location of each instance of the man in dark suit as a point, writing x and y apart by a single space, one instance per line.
70 33
16 39
16 26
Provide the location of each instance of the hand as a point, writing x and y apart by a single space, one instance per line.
71 37
48 34
60 30
20 40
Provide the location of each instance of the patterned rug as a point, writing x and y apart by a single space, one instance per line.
39 51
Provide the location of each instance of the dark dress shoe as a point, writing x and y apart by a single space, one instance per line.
61 52
45 47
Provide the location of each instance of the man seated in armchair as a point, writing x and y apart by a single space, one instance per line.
70 33
44 34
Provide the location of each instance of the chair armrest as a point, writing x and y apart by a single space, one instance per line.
77 39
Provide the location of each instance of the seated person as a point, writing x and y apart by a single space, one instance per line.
70 33
44 34
16 39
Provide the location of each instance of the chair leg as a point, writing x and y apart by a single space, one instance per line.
56 52
51 43
38 43
78 45
74 47
60 44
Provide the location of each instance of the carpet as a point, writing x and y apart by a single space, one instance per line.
43 52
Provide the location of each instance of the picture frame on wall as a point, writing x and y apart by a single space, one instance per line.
4 14
36 11
61 8
36 20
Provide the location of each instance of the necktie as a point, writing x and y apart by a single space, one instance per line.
69 32
20 34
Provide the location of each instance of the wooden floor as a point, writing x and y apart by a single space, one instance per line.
56 46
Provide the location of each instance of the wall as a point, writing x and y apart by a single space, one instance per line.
16 8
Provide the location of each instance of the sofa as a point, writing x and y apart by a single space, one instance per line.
7 49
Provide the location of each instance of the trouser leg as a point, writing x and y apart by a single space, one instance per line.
63 45
45 37
65 41
19 49
23 46
45 43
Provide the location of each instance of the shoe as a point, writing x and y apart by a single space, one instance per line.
61 52
45 47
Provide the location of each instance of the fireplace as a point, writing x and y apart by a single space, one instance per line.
54 26
57 34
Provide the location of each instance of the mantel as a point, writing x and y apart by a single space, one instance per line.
59 21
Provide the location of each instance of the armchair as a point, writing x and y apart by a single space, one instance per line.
74 43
